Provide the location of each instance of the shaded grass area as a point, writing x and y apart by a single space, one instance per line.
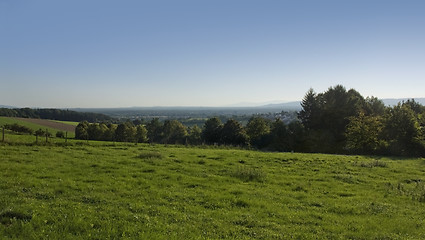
124 191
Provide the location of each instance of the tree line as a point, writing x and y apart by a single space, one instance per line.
335 121
341 121
54 114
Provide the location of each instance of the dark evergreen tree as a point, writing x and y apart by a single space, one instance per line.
403 132
154 128
211 133
234 134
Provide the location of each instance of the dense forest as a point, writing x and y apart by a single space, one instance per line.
54 114
335 121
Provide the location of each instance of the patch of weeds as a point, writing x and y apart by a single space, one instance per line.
245 221
248 174
373 164
89 200
377 208
148 170
150 155
120 148
316 204
210 205
241 203
413 189
59 191
412 181
241 161
202 162
26 190
236 192
299 189
201 156
346 194
7 217
347 178
43 196
125 162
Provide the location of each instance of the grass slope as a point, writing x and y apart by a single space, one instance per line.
123 191
34 126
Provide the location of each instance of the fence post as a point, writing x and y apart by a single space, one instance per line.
66 136
47 135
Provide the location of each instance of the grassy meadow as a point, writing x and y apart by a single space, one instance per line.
101 190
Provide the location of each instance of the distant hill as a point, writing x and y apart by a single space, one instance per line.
6 106
297 104
395 101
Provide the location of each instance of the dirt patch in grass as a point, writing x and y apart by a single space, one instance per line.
49 123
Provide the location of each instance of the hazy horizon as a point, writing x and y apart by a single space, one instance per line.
108 54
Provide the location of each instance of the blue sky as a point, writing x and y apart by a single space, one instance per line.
102 53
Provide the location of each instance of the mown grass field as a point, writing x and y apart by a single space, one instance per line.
100 190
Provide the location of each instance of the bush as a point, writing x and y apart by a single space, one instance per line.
60 134
18 128
248 174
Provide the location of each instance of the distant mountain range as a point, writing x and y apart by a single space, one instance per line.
395 101
5 106
297 104
285 106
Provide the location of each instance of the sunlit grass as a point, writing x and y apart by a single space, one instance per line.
101 190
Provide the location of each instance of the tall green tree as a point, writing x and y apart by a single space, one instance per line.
211 133
279 136
374 107
233 133
364 134
174 132
195 135
311 110
81 131
109 133
403 131
325 116
95 132
155 130
258 130
141 134
126 132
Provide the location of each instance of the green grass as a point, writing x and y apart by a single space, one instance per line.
67 122
33 126
100 190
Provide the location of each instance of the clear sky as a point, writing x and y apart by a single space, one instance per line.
122 53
